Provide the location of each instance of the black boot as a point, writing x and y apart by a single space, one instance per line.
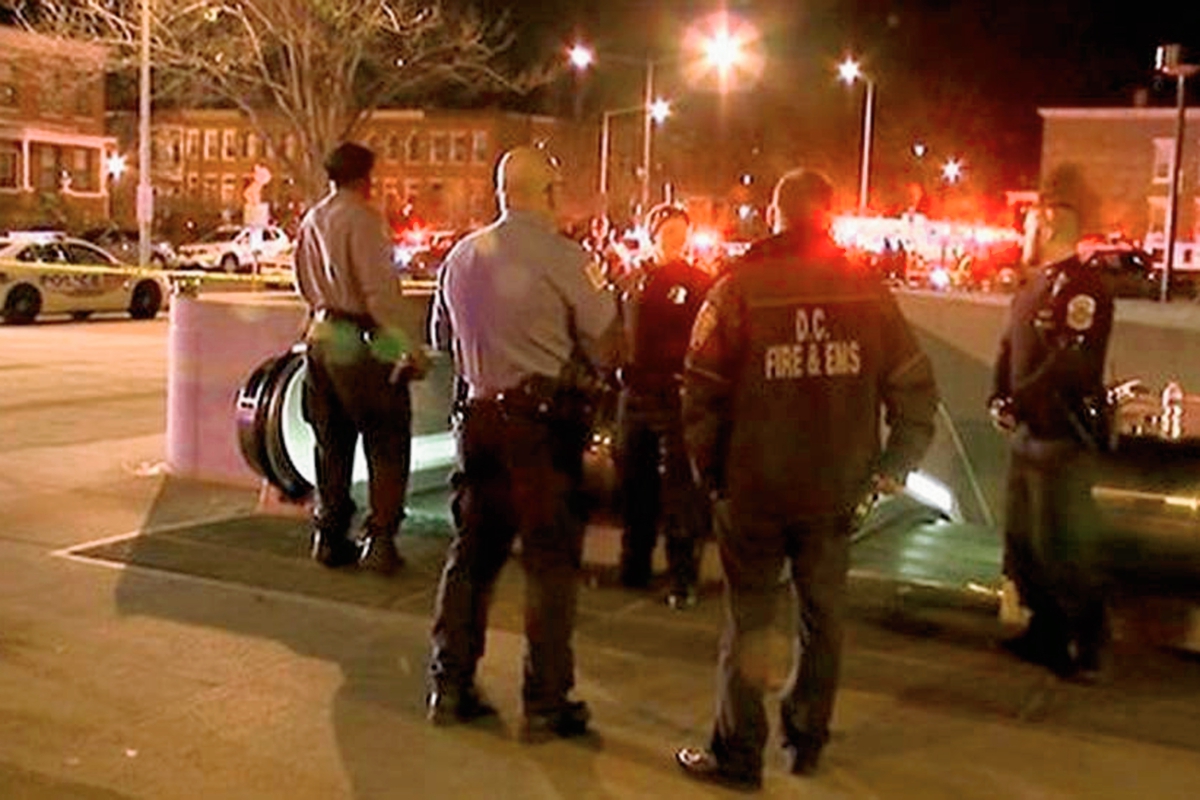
334 550
380 555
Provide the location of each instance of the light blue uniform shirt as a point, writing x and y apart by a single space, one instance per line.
516 299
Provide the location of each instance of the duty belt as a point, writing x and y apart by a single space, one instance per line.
533 398
363 321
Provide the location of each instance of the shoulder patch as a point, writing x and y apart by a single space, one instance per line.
705 324
595 274
1081 312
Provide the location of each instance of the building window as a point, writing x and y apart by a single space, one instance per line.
479 146
249 145
392 150
192 148
49 170
440 151
211 145
84 94
54 95
10 97
212 188
460 148
228 189
229 150
416 148
168 147
84 168
193 185
1164 154
10 163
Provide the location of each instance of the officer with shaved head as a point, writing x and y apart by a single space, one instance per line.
792 358
516 304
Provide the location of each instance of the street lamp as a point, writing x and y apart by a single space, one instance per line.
952 170
1168 61
850 71
114 165
722 50
580 56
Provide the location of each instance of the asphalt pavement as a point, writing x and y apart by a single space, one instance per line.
224 664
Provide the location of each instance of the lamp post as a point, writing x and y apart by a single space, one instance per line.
1168 61
647 134
145 193
850 71
659 110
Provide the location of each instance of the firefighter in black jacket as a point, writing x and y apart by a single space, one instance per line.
660 305
793 356
1048 392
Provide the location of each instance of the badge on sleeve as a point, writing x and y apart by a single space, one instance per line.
1081 312
595 274
706 323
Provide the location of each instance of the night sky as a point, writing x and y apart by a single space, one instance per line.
974 72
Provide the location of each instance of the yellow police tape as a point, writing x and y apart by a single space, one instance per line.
188 280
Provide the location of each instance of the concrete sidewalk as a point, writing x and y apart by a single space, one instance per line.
164 684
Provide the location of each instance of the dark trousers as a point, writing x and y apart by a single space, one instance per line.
657 489
517 476
753 553
1051 543
347 393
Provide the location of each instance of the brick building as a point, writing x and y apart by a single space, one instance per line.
1115 164
53 144
440 161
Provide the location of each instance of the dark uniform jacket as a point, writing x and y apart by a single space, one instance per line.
791 359
659 309
1051 362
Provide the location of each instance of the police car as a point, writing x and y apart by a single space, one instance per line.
231 248
49 273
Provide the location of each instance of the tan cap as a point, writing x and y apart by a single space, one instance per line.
526 172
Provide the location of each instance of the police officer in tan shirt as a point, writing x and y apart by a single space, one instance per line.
360 358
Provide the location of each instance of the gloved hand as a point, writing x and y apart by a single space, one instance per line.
1000 409
412 366
886 484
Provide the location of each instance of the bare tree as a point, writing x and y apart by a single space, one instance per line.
314 69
